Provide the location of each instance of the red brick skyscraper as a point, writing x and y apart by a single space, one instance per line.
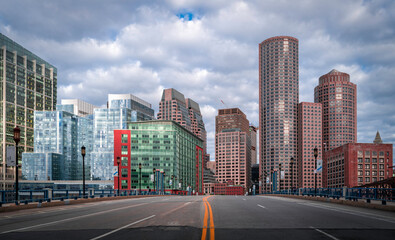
310 136
278 104
232 147
338 97
186 112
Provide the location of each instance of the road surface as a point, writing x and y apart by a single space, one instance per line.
199 217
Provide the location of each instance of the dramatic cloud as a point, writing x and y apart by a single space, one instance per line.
208 50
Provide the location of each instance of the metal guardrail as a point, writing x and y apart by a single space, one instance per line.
368 194
47 195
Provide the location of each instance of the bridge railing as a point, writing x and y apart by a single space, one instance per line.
46 195
380 194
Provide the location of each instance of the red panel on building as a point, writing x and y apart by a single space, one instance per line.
123 156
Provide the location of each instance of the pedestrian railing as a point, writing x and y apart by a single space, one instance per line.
353 194
46 195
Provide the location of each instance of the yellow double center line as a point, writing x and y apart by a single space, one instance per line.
205 220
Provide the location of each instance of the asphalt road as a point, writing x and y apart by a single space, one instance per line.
199 217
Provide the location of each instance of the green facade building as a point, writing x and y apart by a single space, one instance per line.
28 83
162 146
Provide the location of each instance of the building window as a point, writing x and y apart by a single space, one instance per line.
124 150
124 161
124 138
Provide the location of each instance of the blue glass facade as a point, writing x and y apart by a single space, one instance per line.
58 138
120 112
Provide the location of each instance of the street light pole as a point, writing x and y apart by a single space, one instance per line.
119 175
154 171
280 176
315 170
140 179
292 173
17 138
172 177
271 179
83 170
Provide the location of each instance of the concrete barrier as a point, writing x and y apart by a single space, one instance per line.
41 204
341 201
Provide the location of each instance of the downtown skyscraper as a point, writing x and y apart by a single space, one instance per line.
338 97
233 147
185 111
278 105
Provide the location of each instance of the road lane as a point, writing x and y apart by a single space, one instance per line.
183 217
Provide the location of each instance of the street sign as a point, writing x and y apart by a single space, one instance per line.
115 171
179 185
319 165
267 180
171 182
11 156
152 177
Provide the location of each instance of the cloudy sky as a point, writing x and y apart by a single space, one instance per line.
208 50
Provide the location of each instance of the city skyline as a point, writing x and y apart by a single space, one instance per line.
148 48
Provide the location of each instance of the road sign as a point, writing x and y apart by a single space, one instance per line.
152 177
179 185
115 171
11 156
171 182
319 166
282 175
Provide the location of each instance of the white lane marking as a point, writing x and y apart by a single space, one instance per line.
165 199
244 199
118 229
73 218
326 234
261 206
367 215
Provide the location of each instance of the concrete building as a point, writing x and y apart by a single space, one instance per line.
122 108
233 147
253 133
338 97
310 137
28 84
208 181
278 104
79 107
211 165
162 145
356 164
58 138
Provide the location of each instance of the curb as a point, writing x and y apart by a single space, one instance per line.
68 202
340 201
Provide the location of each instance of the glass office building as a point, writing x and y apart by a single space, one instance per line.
164 145
122 108
58 138
28 83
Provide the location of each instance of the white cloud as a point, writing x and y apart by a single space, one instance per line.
143 47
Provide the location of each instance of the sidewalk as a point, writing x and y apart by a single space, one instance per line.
12 207
375 204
